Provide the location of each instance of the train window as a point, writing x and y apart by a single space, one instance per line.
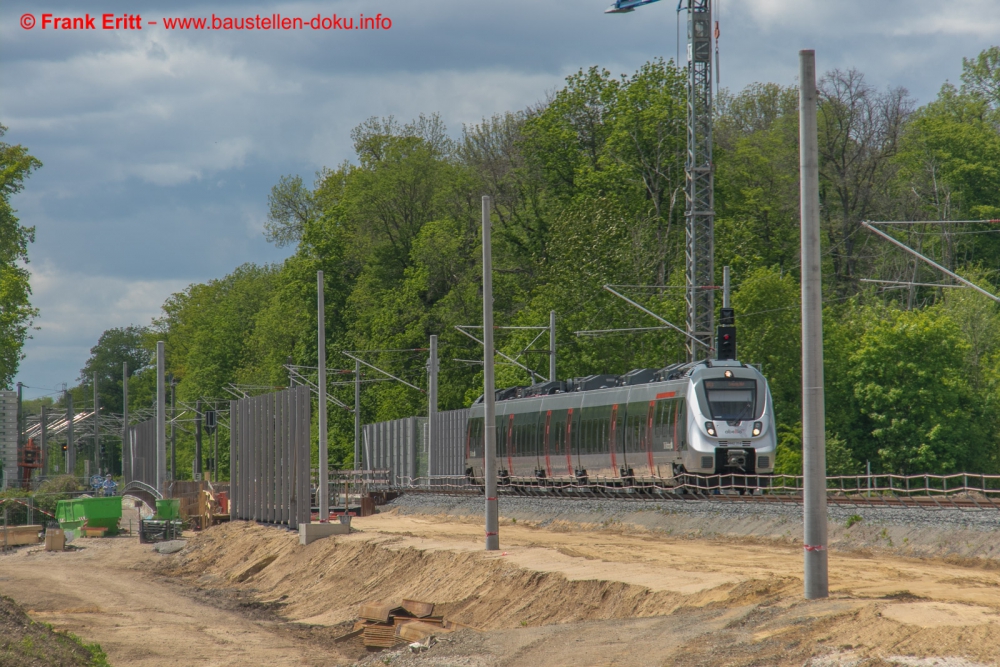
731 404
663 422
475 437
731 400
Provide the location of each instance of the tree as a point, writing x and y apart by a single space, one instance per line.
115 347
859 131
767 312
915 401
16 312
981 75
756 183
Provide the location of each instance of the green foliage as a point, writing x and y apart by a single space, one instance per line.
587 190
114 347
981 75
16 312
916 403
853 519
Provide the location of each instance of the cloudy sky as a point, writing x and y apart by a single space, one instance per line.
160 146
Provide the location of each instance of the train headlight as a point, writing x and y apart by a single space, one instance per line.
757 428
710 427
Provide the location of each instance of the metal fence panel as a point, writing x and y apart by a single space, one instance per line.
401 447
270 467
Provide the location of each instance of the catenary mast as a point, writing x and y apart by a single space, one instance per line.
699 190
700 185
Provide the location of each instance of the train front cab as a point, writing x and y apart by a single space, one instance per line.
731 425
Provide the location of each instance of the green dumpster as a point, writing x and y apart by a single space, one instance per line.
168 509
93 512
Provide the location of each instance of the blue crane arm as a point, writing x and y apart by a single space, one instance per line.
623 6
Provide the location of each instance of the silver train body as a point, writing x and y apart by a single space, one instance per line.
710 418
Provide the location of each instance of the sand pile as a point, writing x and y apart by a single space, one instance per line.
560 595
324 583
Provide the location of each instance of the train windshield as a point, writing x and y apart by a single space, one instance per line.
731 400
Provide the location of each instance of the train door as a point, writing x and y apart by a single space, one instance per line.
569 442
511 449
648 436
613 437
546 434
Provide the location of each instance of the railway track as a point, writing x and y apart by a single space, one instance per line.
729 496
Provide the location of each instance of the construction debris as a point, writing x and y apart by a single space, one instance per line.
418 609
385 625
378 635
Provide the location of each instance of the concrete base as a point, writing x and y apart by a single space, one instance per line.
310 532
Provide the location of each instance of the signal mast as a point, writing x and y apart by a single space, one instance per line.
699 191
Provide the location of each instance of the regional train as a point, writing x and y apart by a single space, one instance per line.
706 420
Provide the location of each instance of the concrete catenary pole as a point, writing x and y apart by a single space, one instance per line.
97 429
161 419
20 420
813 411
725 287
46 467
432 406
357 415
126 445
323 494
489 395
70 446
197 439
173 428
552 346
215 452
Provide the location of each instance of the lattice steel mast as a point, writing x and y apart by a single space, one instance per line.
699 191
700 187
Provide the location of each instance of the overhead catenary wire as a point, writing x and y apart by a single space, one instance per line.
899 244
904 283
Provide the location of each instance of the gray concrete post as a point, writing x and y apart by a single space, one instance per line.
46 467
357 415
813 412
323 492
173 428
433 436
70 446
161 420
197 438
126 444
725 287
97 429
552 346
489 395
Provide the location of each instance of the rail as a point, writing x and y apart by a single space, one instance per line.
962 491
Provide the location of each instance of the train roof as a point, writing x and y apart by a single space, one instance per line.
594 382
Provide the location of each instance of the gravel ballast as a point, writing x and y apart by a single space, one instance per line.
915 532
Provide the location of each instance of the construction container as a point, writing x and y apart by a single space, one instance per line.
92 512
168 509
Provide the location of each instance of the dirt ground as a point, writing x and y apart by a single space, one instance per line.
243 594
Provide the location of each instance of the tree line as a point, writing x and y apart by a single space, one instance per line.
587 189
